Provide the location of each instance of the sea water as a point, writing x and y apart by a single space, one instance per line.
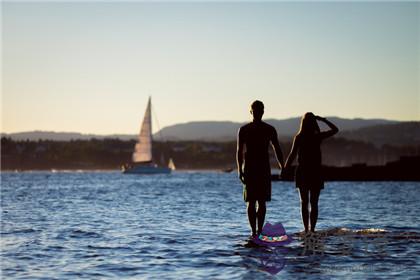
193 225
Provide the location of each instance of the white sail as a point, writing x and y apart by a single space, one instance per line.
171 164
143 148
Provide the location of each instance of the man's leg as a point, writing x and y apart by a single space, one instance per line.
252 216
261 215
314 208
304 200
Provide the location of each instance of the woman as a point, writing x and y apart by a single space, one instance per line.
309 181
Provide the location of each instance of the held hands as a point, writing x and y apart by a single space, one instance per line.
283 173
287 174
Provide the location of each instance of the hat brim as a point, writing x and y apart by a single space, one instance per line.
283 240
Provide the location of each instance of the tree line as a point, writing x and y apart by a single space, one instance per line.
112 153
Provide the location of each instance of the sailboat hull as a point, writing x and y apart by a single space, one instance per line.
141 169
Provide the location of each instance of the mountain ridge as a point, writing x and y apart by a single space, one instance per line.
377 131
226 130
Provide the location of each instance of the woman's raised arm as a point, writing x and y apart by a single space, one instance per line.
333 129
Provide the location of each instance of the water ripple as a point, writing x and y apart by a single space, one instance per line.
194 226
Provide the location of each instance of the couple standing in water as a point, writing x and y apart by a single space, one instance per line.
255 171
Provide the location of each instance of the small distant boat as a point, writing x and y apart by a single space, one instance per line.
171 164
142 160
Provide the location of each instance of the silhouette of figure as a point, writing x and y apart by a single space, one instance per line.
253 140
309 180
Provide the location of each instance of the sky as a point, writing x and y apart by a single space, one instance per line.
90 67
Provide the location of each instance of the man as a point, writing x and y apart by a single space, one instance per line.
255 174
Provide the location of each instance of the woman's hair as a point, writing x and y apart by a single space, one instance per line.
308 125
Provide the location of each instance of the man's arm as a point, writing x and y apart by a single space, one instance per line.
240 155
277 150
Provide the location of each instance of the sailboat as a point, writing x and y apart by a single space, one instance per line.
171 164
142 159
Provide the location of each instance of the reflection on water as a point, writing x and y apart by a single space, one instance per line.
370 246
193 225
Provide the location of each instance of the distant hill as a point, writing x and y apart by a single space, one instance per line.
399 134
376 131
222 131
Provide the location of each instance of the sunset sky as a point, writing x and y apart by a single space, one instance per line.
90 66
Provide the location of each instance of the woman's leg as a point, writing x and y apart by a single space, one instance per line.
314 208
304 200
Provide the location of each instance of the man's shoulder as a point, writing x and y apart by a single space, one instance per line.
245 126
269 127
242 131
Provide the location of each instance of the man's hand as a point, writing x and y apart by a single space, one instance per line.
318 118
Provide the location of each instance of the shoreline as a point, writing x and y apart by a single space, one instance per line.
403 169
